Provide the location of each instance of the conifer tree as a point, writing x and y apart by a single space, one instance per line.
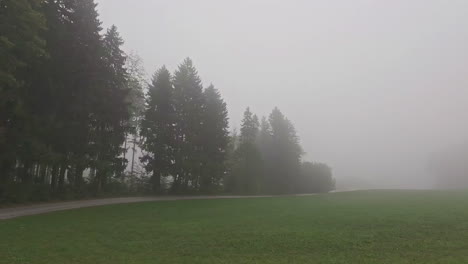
59 69
112 113
21 43
284 161
189 104
79 75
215 139
157 128
247 165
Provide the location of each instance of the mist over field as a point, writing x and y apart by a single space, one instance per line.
375 89
249 131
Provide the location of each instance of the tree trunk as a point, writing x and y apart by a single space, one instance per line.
53 180
5 168
79 176
61 180
156 182
175 184
42 173
133 155
98 181
26 176
92 174
125 147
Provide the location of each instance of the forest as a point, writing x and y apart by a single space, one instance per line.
72 103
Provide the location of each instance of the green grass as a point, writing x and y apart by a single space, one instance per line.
359 227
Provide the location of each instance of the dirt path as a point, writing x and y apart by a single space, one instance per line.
8 213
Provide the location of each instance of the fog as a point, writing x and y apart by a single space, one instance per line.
373 87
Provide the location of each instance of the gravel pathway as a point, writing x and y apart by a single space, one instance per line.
8 213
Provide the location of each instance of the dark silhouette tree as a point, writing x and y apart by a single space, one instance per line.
247 164
215 136
157 129
285 155
111 113
189 104
21 44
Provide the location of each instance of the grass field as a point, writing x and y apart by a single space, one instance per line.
357 227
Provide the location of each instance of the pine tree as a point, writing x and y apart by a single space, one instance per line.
21 22
215 139
21 25
249 127
111 114
285 158
247 164
78 75
189 103
265 146
56 79
77 60
157 128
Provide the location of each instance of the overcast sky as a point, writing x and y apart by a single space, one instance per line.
373 86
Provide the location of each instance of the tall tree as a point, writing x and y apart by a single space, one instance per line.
81 75
57 86
215 140
157 128
247 165
285 155
77 77
189 104
21 25
265 146
111 114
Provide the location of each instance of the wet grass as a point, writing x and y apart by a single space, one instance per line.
357 227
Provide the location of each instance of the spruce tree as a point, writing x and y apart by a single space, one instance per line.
78 59
21 25
285 155
59 68
21 43
189 104
264 144
247 165
215 139
110 114
157 128
78 77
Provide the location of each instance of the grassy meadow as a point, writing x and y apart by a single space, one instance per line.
393 227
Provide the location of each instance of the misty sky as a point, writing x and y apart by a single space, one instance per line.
373 86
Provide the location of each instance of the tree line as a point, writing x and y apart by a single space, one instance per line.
265 158
72 105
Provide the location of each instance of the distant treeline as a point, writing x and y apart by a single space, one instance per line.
72 104
266 158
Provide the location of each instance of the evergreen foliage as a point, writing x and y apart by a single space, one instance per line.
73 104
